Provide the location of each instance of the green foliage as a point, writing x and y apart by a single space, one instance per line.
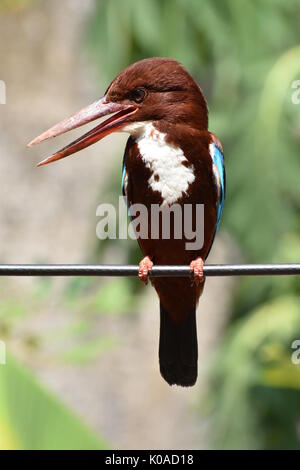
255 381
32 418
83 300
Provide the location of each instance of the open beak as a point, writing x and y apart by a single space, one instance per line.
90 113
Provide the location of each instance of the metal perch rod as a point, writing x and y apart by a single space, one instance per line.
157 271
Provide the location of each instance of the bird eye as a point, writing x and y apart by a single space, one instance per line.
137 95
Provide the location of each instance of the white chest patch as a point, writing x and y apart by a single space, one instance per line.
171 172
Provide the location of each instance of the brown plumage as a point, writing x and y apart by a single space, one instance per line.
178 296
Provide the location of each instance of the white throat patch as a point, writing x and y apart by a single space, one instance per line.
170 174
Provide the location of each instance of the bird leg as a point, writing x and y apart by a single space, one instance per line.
196 267
144 267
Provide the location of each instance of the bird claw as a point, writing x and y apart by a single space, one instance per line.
196 267
145 267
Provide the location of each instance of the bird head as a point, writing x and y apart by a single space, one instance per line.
156 90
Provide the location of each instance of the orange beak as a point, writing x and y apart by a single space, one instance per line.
90 113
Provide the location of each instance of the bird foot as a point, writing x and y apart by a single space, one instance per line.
196 267
144 267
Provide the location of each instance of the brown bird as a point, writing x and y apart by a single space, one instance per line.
171 159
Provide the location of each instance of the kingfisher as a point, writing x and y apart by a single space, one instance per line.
170 158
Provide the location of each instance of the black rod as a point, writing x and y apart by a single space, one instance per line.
158 271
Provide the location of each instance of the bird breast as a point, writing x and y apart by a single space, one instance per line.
171 172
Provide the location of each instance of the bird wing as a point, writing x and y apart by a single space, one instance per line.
217 156
124 178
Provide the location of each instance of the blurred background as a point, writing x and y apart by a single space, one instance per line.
81 368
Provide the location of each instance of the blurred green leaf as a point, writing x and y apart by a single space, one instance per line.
257 355
32 418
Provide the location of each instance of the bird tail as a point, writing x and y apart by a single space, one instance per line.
178 349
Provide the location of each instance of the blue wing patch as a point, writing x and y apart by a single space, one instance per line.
220 177
123 179
124 183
